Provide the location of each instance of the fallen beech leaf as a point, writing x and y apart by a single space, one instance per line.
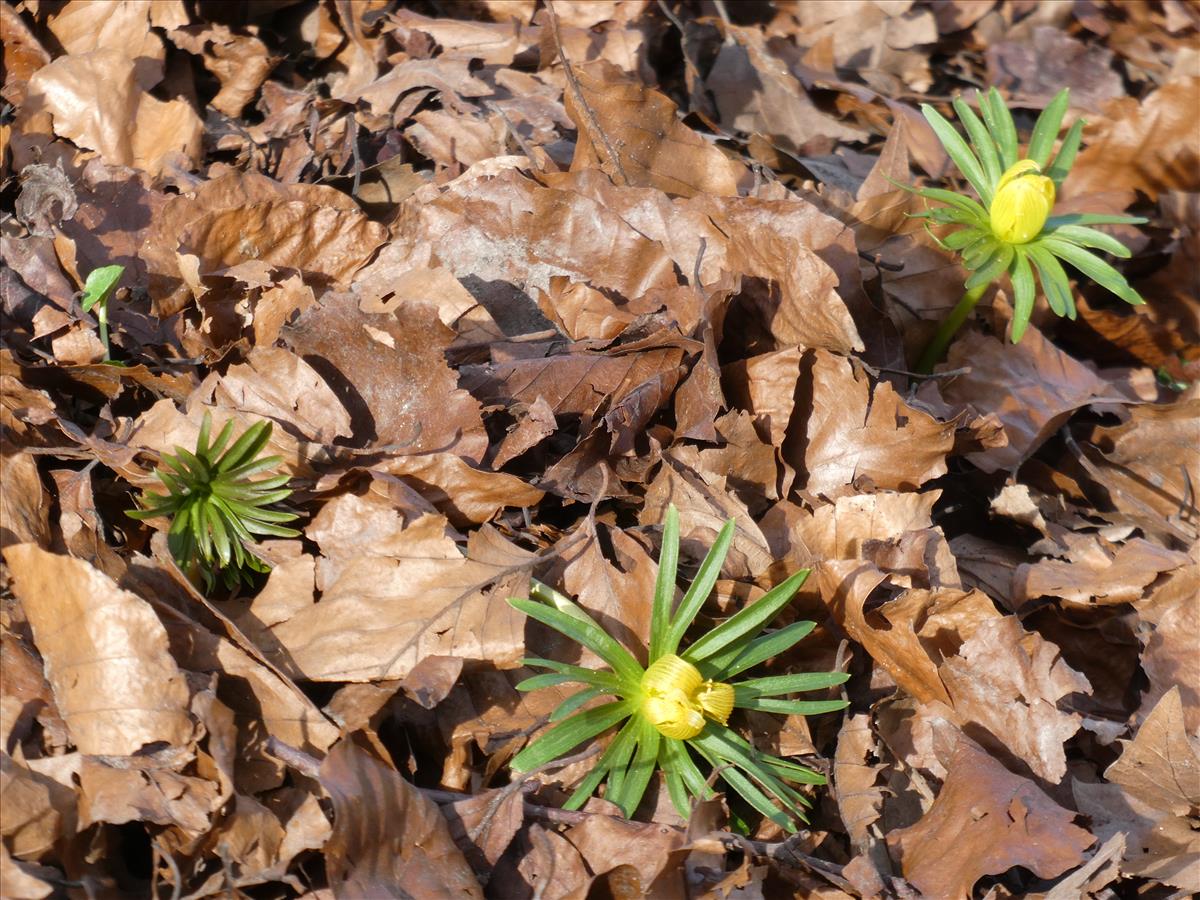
1011 681
1161 765
632 133
24 506
115 684
551 865
31 824
485 825
1119 578
984 821
125 27
388 839
1168 658
1145 144
239 61
385 610
859 800
97 103
777 106
855 432
1049 60
389 371
135 792
465 495
1033 387
645 847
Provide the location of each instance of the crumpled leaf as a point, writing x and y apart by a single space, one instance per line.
984 821
856 432
387 607
115 683
97 102
388 840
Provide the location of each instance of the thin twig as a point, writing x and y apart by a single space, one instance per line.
584 106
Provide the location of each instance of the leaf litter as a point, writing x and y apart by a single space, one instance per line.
509 279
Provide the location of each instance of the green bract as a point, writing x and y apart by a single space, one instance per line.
674 710
215 509
1013 230
96 290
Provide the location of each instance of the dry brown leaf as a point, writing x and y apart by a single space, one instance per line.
1148 144
551 867
856 432
24 881
97 103
1161 765
276 384
106 655
1039 66
1033 387
1150 464
606 842
388 839
465 495
485 825
1169 658
390 372
1158 846
1110 576
984 821
860 802
1011 682
778 106
24 506
385 609
32 823
118 790
122 26
239 61
632 133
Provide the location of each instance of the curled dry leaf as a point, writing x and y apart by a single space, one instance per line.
856 432
388 839
984 821
115 683
97 103
389 607
1161 765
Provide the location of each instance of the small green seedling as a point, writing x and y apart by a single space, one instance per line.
216 511
96 290
1010 229
679 705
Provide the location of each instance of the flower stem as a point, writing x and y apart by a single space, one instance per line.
936 348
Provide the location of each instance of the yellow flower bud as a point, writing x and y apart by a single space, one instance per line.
676 698
1024 198
716 699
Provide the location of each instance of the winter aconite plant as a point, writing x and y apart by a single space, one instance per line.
678 707
216 509
1010 228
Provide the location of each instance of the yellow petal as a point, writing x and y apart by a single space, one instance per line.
1024 198
716 699
670 672
673 718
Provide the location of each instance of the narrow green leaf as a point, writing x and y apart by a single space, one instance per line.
790 771
678 793
1065 158
748 620
958 150
958 201
220 538
1095 268
739 657
996 266
616 756
1092 219
1023 295
1046 128
632 785
959 240
981 141
1000 123
664 585
1090 237
574 702
700 588
773 685
592 676
793 707
584 631
247 447
1053 277
980 252
569 734
549 679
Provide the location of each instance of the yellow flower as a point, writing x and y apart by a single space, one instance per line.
1024 198
676 698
